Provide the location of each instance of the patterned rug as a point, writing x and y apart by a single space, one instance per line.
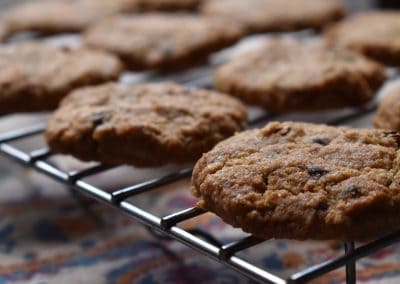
47 237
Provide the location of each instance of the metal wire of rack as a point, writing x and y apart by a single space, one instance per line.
168 225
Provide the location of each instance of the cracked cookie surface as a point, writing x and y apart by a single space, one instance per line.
375 34
275 15
288 75
388 113
304 181
143 125
162 41
36 76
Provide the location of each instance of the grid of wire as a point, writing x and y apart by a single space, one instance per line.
168 225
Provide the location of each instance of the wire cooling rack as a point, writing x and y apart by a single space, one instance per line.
202 241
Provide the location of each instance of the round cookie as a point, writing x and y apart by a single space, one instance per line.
275 15
284 76
388 114
143 125
304 181
374 34
36 76
162 41
58 16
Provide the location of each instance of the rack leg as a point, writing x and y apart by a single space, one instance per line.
351 276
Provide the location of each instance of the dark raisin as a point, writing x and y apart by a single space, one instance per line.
265 178
352 191
322 141
393 134
100 117
322 206
317 171
285 131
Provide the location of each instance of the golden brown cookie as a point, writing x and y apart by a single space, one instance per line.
36 76
304 181
284 76
275 15
374 34
58 16
162 41
388 114
143 125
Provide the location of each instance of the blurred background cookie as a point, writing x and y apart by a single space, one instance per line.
36 76
162 41
388 114
375 34
288 75
275 15
59 16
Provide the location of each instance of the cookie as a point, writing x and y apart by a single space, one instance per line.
167 5
58 16
283 76
275 15
162 41
36 76
374 34
304 181
143 125
388 114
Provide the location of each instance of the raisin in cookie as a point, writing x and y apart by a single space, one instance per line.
304 181
275 15
374 34
143 125
162 41
36 76
284 76
57 16
388 114
167 5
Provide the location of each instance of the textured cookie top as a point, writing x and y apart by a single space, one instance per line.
40 74
376 34
388 114
304 181
53 16
292 75
161 40
275 15
143 125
